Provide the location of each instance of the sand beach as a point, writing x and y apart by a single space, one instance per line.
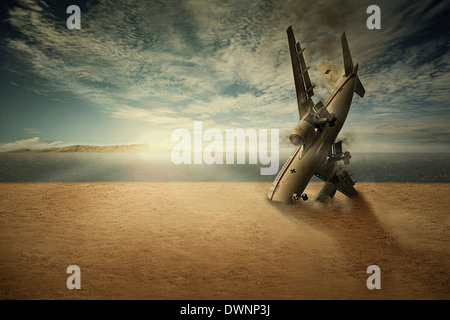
216 240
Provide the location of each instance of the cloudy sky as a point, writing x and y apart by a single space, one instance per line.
137 70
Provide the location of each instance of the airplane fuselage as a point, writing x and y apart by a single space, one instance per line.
308 158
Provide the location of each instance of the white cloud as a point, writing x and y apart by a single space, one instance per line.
167 63
162 117
33 143
33 131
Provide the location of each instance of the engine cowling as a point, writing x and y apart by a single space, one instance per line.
327 192
300 132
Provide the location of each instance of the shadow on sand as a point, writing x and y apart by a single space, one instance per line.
351 222
361 239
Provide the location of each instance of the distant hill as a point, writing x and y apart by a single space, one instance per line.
85 148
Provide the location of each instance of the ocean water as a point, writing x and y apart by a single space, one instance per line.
122 167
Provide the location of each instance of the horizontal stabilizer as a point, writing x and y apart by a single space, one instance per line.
359 88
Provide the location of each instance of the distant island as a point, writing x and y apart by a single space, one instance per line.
86 148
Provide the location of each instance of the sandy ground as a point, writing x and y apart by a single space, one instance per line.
222 241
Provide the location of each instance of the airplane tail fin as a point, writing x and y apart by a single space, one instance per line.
348 63
349 67
332 73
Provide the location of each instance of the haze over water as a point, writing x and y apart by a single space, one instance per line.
122 167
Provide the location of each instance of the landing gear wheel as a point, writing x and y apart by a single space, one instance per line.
304 197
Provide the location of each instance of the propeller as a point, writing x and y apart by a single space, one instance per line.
346 158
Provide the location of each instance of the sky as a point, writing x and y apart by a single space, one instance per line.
138 70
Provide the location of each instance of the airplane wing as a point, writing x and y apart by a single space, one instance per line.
342 180
303 87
